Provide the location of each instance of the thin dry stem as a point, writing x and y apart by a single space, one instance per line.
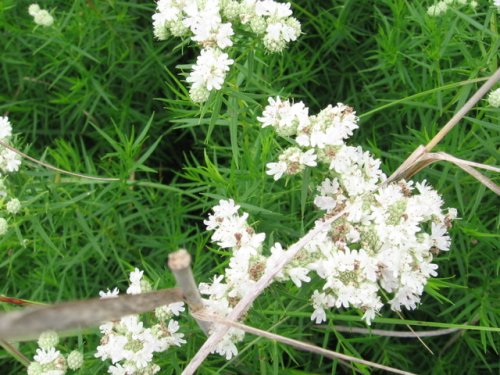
407 168
456 336
413 331
14 352
179 263
49 166
30 322
467 167
18 301
387 333
298 344
244 304
463 111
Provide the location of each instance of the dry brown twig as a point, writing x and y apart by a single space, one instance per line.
422 157
387 333
30 322
56 169
295 343
179 263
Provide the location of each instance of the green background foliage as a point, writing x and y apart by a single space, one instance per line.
96 94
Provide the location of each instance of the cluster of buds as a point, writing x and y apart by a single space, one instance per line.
40 16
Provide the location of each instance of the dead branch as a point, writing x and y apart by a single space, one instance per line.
30 322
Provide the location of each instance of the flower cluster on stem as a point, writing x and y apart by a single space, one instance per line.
383 246
9 163
49 361
441 7
129 344
231 231
386 242
40 16
494 98
211 24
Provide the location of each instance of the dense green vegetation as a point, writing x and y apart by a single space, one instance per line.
96 94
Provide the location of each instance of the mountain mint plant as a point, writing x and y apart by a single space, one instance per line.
378 255
383 245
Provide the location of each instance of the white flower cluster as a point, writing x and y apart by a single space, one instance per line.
385 242
9 162
441 7
383 246
494 97
129 344
40 16
210 24
49 361
247 264
319 136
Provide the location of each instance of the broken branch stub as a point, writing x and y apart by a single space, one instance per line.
179 263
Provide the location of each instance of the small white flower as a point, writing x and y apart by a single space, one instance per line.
5 128
13 206
175 338
48 340
75 360
4 226
226 346
168 311
271 8
9 161
308 158
40 16
437 9
298 275
136 276
276 169
117 369
33 9
494 96
439 237
44 357
109 293
210 70
284 116
217 289
206 25
320 301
